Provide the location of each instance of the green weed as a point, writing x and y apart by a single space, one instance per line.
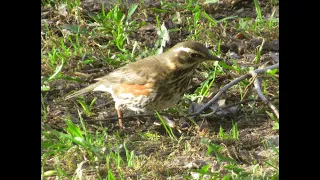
167 128
87 109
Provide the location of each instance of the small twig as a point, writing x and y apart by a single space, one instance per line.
232 83
234 104
260 94
116 118
95 70
179 116
274 56
244 101
128 117
246 89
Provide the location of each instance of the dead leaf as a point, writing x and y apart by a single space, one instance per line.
274 56
228 111
63 10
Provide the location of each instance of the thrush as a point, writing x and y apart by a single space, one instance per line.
154 83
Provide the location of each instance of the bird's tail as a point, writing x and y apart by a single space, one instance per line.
82 91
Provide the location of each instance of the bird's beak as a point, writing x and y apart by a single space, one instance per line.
214 58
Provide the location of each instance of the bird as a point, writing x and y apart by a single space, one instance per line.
153 83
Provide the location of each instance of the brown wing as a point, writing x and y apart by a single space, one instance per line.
138 78
138 73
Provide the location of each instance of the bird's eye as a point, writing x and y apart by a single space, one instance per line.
195 55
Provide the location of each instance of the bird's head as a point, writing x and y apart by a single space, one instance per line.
189 53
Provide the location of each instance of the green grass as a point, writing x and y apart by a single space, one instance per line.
87 109
167 128
203 90
116 24
233 134
109 37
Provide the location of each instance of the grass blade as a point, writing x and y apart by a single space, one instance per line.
131 10
58 69
209 18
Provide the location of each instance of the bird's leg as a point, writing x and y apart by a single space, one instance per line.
119 112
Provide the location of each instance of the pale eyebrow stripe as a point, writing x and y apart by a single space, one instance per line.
185 49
